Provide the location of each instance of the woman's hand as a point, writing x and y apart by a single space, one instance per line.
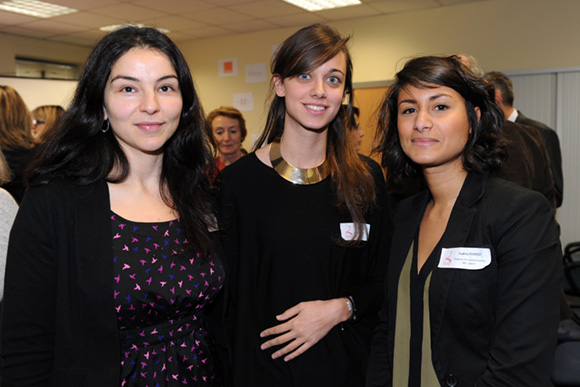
304 325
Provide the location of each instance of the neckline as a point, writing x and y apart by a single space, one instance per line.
294 174
122 218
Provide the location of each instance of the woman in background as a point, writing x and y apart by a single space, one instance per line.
46 119
472 296
16 139
355 131
111 267
305 227
227 127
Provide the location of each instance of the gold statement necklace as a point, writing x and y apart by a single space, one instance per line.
294 174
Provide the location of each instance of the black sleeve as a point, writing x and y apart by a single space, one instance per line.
28 310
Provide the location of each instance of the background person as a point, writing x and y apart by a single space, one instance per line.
504 96
46 119
16 139
474 258
228 129
111 267
355 131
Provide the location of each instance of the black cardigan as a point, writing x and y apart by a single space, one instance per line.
58 322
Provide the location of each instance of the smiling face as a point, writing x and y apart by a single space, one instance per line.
433 125
228 135
312 99
143 101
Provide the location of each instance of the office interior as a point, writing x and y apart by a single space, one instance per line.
536 42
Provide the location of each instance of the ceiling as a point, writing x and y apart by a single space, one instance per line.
193 19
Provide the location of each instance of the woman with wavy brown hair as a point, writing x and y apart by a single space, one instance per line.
305 226
16 139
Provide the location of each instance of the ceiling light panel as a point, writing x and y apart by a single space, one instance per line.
117 26
319 5
35 8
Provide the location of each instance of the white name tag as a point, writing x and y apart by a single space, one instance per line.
347 231
466 258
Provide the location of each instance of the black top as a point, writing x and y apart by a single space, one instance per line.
281 248
17 162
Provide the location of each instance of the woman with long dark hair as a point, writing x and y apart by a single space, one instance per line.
472 296
112 267
305 224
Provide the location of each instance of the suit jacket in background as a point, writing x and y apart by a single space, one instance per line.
528 163
495 326
553 147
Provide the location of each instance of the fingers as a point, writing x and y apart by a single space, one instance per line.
299 351
282 339
289 313
276 330
287 349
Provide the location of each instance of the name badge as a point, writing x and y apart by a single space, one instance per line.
347 231
466 258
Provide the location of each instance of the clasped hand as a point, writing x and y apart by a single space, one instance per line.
304 325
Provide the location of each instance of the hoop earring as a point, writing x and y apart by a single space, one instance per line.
105 130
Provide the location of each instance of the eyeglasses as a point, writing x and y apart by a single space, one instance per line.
37 122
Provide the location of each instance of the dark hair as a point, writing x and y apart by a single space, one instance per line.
230 112
304 51
81 152
485 147
501 82
15 121
350 122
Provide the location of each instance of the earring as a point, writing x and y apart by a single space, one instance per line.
106 129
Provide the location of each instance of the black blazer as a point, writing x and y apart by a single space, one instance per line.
59 326
491 327
553 147
527 163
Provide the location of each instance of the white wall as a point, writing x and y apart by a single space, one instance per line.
37 92
504 35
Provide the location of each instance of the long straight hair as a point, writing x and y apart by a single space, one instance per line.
81 152
305 50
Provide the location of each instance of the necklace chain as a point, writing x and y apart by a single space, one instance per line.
294 174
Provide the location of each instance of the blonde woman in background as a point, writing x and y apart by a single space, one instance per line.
46 119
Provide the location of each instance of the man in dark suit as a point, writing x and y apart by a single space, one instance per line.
504 95
527 163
